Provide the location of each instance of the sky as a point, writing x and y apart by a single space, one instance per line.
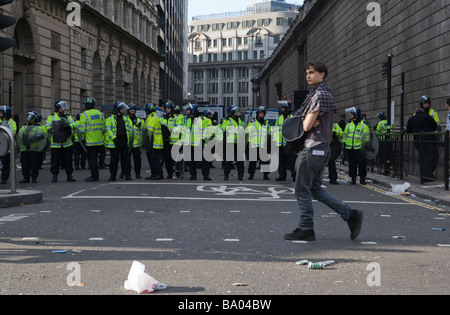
203 7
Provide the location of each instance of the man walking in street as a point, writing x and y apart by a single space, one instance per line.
319 108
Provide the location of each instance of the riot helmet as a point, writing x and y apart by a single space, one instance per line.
382 116
425 99
32 117
192 108
90 103
6 110
61 104
286 104
119 105
355 111
150 108
234 109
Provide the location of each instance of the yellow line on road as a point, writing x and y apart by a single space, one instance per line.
415 202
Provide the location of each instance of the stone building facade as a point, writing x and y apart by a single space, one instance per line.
339 33
226 52
112 55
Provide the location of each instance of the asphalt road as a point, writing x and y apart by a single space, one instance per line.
216 238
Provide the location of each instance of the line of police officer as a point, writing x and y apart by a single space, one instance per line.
122 133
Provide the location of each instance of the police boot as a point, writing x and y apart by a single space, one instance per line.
25 181
54 178
266 176
70 179
250 176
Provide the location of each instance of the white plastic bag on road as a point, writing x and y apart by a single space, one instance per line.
140 281
399 189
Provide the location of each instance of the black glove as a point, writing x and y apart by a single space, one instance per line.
116 141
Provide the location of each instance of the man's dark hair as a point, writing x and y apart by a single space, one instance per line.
318 66
448 101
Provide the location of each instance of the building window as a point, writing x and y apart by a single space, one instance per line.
55 41
228 101
262 55
83 58
258 40
279 21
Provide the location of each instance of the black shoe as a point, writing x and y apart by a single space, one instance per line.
128 178
353 182
241 176
333 182
158 177
362 181
226 177
122 175
207 178
266 177
193 177
280 179
355 223
70 179
251 176
300 235
55 178
138 176
34 181
112 179
91 179
24 181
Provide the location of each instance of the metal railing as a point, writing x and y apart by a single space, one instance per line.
425 155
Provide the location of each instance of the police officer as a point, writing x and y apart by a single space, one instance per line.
422 122
259 131
194 123
287 158
6 120
180 121
425 104
153 127
118 131
79 147
353 133
385 151
31 139
168 123
135 149
231 127
92 129
338 133
61 126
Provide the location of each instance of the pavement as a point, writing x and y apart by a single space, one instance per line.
432 192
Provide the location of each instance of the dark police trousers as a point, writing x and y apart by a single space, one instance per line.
120 153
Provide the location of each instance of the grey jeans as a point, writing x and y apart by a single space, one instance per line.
310 165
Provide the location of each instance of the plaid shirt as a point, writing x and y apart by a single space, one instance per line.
320 98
